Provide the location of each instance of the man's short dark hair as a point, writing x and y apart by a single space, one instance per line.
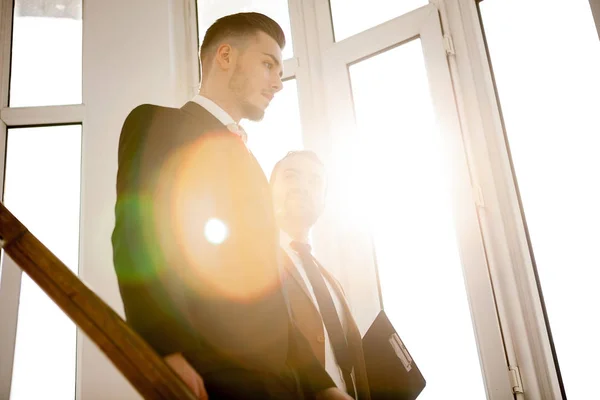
239 25
297 153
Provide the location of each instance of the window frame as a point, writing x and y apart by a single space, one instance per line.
520 307
19 117
424 23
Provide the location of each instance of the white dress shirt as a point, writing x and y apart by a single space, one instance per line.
220 114
331 365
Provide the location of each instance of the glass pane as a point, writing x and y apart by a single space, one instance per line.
411 220
211 10
549 86
354 16
42 190
46 53
280 130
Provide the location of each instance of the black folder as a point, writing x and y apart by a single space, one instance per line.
392 372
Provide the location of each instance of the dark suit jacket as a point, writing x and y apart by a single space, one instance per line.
219 304
308 320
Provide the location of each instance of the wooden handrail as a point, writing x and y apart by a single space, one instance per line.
136 360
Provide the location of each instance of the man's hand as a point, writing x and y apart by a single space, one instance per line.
187 374
333 394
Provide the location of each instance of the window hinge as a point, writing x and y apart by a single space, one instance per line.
515 380
478 197
449 45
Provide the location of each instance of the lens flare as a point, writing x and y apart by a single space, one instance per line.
215 231
213 221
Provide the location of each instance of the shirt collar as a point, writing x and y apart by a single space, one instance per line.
214 109
285 240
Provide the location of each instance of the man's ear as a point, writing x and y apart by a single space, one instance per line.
225 56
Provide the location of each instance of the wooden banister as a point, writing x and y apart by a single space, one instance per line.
132 356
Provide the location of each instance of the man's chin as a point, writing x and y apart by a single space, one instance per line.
254 113
303 219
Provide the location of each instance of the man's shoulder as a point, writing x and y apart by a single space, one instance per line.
148 117
191 112
150 110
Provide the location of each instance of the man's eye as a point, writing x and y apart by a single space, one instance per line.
268 65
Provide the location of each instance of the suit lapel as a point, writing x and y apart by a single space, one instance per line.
304 311
291 270
339 291
211 123
353 337
310 327
353 334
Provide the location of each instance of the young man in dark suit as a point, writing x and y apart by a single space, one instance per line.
318 304
195 242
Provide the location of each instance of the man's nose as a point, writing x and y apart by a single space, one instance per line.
277 84
304 187
299 188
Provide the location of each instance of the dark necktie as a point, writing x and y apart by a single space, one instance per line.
328 313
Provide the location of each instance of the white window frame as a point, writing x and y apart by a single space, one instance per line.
423 23
15 117
528 347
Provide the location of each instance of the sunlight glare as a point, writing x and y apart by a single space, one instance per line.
215 231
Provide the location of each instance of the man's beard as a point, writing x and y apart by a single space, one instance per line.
301 215
252 112
239 85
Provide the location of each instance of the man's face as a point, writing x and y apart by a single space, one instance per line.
299 191
257 75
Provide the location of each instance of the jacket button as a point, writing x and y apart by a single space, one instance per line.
321 339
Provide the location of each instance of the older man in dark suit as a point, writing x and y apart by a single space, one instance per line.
317 300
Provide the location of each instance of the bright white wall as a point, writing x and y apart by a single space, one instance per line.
129 58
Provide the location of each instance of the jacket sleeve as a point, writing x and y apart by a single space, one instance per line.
148 308
185 287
